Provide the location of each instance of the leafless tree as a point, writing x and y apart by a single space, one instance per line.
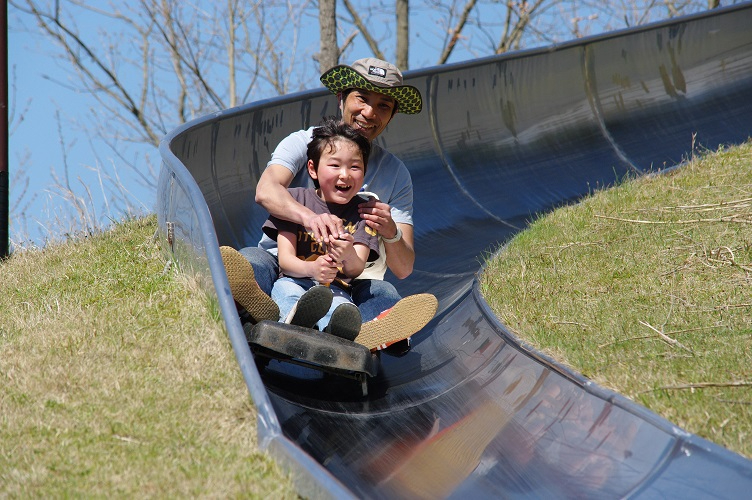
155 64
152 65
163 62
356 18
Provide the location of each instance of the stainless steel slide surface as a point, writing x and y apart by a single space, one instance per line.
471 411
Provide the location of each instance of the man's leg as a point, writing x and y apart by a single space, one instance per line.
247 292
265 267
373 297
387 318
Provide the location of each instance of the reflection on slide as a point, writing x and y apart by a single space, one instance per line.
470 411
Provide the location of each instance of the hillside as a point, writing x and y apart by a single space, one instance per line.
119 379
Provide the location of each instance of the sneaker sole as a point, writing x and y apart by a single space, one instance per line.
244 288
407 317
312 306
346 322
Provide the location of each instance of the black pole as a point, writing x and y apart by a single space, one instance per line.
4 183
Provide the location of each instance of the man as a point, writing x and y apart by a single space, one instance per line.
370 93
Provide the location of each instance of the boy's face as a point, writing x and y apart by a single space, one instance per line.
368 112
340 171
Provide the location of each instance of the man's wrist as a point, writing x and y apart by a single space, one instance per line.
396 237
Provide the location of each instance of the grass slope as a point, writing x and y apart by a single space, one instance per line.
647 289
118 379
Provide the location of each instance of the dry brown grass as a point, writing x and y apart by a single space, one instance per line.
645 288
118 379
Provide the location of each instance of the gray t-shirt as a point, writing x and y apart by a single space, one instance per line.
386 176
307 248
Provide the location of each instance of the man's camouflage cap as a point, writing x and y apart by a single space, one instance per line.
374 75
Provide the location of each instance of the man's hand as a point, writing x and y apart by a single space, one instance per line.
400 255
324 227
272 194
378 216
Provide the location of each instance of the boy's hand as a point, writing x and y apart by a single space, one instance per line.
324 269
340 247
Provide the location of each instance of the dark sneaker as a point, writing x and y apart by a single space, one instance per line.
399 322
311 307
345 322
244 288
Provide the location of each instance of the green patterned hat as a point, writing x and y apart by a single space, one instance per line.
374 75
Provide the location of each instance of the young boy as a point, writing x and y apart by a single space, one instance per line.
318 273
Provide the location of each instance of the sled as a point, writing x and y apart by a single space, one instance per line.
311 348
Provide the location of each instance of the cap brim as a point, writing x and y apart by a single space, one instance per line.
343 77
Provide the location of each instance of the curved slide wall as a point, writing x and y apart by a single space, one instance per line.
471 411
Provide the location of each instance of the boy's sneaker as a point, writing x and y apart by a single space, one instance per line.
311 307
345 322
399 322
244 288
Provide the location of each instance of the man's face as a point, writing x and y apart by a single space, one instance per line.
368 112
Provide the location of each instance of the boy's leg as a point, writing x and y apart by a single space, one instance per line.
311 306
286 293
245 289
343 318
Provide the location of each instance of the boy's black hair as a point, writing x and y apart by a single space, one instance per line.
324 136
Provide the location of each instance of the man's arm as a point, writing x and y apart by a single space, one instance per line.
400 255
272 194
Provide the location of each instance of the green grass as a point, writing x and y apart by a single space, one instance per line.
118 379
647 289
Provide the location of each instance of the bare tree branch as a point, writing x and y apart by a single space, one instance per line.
372 44
517 21
456 31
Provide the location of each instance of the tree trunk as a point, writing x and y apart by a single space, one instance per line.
403 34
329 54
